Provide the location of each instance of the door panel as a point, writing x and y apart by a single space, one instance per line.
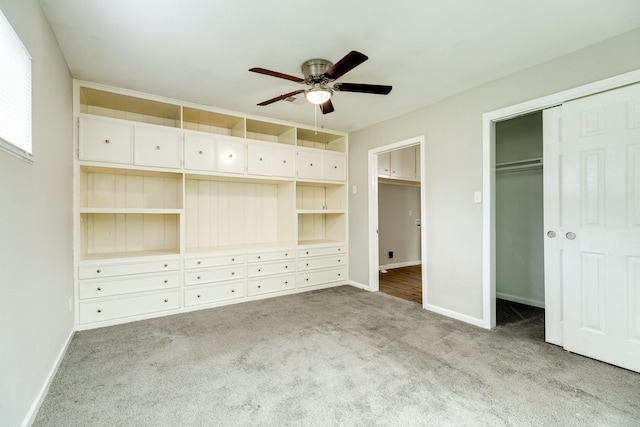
601 241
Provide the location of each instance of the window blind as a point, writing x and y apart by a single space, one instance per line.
15 92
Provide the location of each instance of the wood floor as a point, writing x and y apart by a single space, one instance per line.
404 282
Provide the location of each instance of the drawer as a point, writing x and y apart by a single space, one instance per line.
107 309
104 141
272 256
254 270
271 284
319 277
233 259
104 288
322 262
156 148
212 293
312 252
96 271
214 275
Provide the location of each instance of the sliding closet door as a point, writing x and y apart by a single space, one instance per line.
601 226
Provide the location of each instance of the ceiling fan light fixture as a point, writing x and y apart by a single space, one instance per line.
318 95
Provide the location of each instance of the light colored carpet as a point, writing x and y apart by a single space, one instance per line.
335 357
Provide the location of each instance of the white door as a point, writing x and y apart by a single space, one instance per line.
601 226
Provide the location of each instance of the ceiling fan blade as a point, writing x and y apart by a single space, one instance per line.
362 88
276 74
281 97
327 107
350 61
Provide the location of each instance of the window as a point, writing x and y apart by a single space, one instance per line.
15 93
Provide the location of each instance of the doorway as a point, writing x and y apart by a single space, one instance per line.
519 221
390 190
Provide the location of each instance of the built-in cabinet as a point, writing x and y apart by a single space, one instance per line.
182 207
401 164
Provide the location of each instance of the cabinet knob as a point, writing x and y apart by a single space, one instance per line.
307 252
233 290
230 155
198 277
166 300
284 161
310 164
286 283
307 264
339 249
335 167
259 270
259 257
98 271
286 254
307 279
233 273
199 152
197 296
99 310
99 288
339 260
260 159
233 259
166 281
157 147
259 286
166 265
339 274
106 141
286 266
199 262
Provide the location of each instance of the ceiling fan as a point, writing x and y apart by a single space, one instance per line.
319 75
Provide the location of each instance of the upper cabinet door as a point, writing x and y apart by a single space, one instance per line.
199 152
309 164
105 141
334 167
259 159
383 164
403 163
157 147
283 161
230 155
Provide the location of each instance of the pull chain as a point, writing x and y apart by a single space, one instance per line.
315 119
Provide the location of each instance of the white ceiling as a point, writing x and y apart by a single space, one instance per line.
200 50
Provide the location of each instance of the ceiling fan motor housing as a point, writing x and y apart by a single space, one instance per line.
314 69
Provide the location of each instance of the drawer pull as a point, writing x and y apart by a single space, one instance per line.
99 310
99 288
98 271
166 300
106 141
157 147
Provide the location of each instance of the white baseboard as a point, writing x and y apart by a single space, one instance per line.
358 285
399 265
525 301
35 406
455 315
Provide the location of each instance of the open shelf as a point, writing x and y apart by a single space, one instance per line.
271 132
109 235
212 122
222 214
109 104
324 228
118 190
321 140
320 198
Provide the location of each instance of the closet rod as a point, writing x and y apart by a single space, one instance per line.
519 165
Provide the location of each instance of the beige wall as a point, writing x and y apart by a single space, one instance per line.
453 132
36 271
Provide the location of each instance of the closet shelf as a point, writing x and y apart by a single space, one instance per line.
144 211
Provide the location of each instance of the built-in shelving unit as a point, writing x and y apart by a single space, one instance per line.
181 206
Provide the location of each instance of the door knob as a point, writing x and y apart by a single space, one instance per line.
551 234
570 235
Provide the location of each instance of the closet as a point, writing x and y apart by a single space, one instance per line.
519 210
182 206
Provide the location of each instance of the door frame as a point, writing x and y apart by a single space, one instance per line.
374 264
489 121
